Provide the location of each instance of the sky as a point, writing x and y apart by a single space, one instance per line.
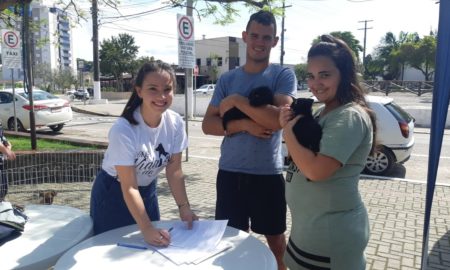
156 32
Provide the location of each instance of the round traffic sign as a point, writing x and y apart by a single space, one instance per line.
10 39
185 28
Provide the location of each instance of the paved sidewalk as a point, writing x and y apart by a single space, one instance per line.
396 210
396 213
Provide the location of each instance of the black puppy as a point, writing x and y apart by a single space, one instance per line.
307 131
258 96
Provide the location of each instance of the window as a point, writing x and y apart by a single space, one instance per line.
5 98
219 61
208 62
198 62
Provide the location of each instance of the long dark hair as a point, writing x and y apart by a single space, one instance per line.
349 89
135 101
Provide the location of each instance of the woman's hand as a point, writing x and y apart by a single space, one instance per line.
286 114
186 214
156 237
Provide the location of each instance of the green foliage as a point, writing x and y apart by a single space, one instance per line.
301 72
225 11
394 53
117 55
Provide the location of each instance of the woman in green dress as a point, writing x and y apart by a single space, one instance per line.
330 226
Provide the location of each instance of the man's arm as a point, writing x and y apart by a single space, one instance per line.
212 125
266 116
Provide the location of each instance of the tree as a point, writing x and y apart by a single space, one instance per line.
117 55
64 78
224 11
388 52
421 55
44 77
301 72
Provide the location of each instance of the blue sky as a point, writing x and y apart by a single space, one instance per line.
156 33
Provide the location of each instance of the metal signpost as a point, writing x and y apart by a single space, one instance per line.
11 58
186 59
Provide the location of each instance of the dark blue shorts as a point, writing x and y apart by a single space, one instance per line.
252 201
108 208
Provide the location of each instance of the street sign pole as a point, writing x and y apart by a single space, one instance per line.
186 58
14 99
12 58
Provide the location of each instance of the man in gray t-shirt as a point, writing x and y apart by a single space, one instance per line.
250 184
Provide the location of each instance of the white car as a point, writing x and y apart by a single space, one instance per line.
49 110
395 135
205 89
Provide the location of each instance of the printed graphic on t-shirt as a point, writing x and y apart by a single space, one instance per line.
291 170
146 165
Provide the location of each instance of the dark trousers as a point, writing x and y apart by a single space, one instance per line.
108 208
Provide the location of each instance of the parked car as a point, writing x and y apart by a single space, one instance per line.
395 136
80 94
205 89
49 110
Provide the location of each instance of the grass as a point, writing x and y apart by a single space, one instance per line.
24 144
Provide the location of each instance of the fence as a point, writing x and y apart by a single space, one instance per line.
63 178
415 87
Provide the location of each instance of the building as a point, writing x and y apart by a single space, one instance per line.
51 45
216 56
54 37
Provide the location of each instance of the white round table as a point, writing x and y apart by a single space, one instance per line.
50 231
102 252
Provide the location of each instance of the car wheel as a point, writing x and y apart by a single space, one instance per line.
380 163
19 125
56 128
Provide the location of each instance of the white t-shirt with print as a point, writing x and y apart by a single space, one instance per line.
147 149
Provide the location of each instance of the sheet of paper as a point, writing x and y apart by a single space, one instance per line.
188 246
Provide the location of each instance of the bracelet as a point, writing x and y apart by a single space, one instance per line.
186 203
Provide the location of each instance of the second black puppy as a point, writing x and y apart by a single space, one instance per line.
258 96
307 131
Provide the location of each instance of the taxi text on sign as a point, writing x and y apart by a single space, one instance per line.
186 41
11 49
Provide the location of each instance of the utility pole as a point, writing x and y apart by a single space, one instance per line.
364 48
97 94
282 34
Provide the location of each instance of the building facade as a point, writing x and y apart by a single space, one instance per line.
216 56
53 42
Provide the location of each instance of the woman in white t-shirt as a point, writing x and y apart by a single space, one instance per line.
147 138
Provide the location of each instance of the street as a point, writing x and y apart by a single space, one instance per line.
95 128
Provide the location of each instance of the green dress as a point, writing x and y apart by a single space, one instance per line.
330 226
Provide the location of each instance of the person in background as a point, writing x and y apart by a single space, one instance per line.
330 226
250 183
147 138
6 153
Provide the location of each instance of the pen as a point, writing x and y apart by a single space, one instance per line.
130 246
169 230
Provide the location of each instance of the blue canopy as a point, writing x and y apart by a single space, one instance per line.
441 97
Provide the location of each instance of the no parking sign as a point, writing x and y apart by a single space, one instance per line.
186 42
11 55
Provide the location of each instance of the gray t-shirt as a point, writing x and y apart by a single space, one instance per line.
243 152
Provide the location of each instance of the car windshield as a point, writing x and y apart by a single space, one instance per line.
204 86
39 95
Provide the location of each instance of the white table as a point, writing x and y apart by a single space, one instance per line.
102 252
50 231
